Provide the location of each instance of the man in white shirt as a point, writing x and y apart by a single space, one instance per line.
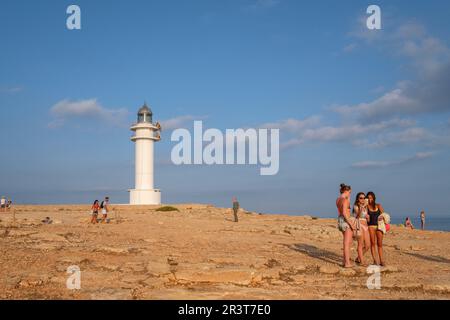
105 209
3 204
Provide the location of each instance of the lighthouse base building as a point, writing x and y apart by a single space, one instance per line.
143 197
145 135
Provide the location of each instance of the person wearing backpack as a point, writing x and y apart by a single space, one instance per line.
105 209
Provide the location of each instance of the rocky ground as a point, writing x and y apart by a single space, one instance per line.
199 253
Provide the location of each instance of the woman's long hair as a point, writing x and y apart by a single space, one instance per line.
370 193
357 200
96 201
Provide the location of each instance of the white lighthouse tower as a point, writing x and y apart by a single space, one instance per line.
146 133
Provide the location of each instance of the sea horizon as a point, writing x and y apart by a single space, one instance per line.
433 222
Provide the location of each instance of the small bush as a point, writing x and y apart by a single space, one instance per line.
167 208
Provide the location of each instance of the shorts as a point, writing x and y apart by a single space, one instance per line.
94 213
104 211
342 224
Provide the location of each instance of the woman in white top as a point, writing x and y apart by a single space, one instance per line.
360 212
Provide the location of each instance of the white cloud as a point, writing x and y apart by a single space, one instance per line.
356 133
383 164
361 32
266 3
179 122
10 90
349 48
371 164
262 4
410 30
427 95
426 56
65 110
427 53
293 125
407 136
378 90
386 120
394 101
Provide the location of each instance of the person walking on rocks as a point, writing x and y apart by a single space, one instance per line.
105 209
94 211
9 204
3 204
235 209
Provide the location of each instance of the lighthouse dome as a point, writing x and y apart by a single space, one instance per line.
145 114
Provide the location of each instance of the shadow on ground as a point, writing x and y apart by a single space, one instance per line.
317 253
429 258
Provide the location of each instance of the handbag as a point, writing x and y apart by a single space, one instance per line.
357 232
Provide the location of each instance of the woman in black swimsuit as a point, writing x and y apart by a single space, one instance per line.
374 210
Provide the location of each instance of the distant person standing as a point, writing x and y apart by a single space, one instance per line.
3 204
422 219
105 209
9 204
235 209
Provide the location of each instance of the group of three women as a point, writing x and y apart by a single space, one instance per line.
363 225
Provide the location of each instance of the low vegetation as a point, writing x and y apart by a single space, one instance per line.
167 208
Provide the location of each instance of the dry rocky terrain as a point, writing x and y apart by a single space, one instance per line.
199 253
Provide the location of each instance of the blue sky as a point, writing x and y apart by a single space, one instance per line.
368 108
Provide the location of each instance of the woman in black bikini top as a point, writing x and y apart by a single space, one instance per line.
373 216
376 236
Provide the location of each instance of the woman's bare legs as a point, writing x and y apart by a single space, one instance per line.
366 236
373 240
361 250
380 247
348 237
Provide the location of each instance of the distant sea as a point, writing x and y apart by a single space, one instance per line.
431 223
